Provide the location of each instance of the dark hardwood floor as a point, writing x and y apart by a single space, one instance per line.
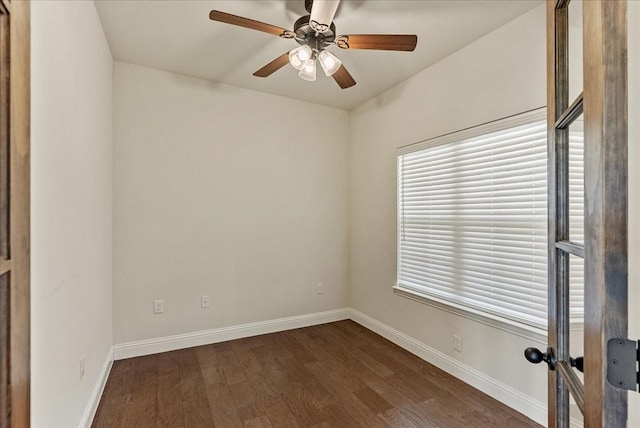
330 375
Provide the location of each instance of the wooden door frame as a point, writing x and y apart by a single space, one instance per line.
557 83
17 266
606 196
604 103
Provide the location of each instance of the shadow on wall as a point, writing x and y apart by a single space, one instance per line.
241 62
391 95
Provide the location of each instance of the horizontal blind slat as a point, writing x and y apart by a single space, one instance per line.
472 221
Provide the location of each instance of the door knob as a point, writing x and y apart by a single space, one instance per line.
536 356
578 363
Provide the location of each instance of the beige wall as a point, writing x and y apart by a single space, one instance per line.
71 210
499 75
224 192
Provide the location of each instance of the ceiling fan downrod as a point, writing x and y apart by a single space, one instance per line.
308 5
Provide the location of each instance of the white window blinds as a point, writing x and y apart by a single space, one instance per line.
472 219
576 218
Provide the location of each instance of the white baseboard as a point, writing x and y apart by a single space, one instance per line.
206 337
511 397
96 394
530 407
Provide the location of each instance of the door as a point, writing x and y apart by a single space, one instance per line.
14 213
603 107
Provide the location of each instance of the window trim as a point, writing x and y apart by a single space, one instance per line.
476 130
518 328
505 324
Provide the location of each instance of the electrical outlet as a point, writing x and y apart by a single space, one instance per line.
81 366
204 301
457 343
319 288
158 306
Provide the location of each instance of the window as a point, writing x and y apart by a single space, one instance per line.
472 220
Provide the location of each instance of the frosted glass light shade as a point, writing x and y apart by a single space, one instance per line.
299 55
308 72
329 62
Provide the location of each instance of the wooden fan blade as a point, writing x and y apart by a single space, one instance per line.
273 66
227 18
386 42
343 78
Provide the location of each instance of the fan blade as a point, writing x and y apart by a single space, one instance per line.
343 78
387 42
322 14
273 66
227 18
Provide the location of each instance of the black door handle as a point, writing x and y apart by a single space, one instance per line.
536 356
578 363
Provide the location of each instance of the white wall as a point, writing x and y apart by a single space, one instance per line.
496 76
71 173
499 75
216 193
224 192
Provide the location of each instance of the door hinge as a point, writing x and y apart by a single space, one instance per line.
623 356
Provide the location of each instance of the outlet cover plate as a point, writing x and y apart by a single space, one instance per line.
457 343
204 301
82 366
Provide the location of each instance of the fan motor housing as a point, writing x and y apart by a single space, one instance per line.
305 35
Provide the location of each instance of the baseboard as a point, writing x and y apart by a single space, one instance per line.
206 337
511 397
96 394
530 407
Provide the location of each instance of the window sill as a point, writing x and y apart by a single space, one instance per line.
518 329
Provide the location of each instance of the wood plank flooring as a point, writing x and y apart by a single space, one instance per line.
331 375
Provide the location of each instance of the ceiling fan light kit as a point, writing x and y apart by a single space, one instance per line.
299 56
329 62
315 32
308 72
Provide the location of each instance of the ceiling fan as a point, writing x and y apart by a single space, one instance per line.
314 33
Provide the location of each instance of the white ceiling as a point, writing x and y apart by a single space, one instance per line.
178 36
